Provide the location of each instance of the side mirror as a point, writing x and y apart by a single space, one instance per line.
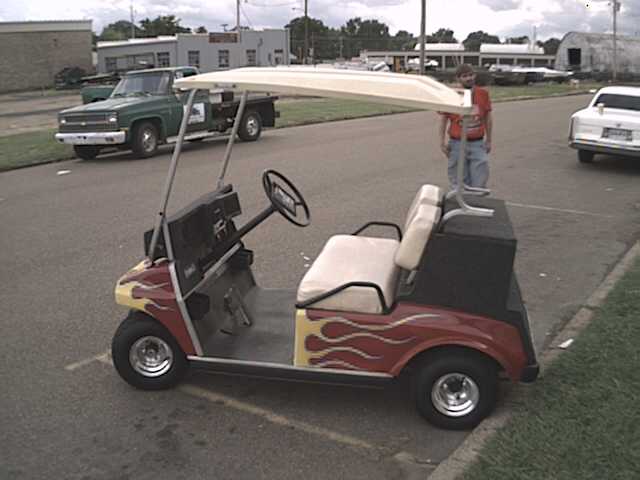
600 108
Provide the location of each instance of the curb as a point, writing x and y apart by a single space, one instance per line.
466 453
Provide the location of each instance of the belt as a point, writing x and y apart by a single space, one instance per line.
469 139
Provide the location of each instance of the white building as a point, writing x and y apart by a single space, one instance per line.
450 55
207 51
593 53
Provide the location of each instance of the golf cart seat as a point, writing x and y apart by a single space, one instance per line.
359 274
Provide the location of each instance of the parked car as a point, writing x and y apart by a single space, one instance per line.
610 124
144 111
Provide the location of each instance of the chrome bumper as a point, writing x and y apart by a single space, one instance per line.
98 138
612 149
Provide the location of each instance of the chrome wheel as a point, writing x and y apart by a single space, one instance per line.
252 126
149 141
455 395
151 356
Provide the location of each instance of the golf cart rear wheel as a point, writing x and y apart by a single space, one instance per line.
250 126
455 389
86 152
585 156
146 355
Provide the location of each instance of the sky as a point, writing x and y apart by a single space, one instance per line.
504 18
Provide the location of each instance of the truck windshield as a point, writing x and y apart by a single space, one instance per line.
624 102
152 83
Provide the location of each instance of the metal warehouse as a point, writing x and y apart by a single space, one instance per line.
207 51
31 53
593 52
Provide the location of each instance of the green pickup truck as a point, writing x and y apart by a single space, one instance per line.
144 111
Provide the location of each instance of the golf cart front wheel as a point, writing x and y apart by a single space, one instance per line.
146 355
585 156
455 390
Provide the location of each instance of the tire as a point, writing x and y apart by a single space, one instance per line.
250 126
145 139
137 334
585 156
446 374
86 152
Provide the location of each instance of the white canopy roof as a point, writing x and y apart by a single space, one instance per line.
390 88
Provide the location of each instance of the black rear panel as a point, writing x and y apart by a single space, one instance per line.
469 264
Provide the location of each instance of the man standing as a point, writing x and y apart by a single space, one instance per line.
479 129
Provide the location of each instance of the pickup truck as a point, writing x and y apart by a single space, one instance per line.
144 111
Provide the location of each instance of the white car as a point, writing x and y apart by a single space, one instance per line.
610 124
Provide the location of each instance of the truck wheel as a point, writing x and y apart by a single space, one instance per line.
86 152
146 355
144 141
455 389
250 126
585 156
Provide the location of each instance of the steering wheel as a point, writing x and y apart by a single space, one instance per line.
286 198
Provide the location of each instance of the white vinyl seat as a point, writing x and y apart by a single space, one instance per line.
351 258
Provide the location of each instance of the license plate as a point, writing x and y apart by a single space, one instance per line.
617 134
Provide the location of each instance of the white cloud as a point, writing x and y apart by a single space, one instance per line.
502 17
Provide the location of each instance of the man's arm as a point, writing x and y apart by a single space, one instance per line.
444 146
489 129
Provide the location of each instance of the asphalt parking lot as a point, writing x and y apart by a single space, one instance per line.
67 238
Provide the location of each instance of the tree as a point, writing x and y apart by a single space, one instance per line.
120 30
324 40
443 35
162 25
364 35
475 39
201 30
550 45
403 40
517 40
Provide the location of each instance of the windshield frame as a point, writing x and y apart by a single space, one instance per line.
147 83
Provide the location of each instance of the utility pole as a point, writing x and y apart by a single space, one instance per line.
616 9
238 19
423 22
133 26
306 32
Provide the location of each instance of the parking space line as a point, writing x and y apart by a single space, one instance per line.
101 357
562 210
277 419
407 461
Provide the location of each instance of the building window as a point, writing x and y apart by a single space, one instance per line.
223 58
111 64
163 59
251 57
194 58
278 56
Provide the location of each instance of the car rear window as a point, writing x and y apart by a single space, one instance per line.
624 102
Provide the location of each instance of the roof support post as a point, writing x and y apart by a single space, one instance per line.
232 138
160 219
460 187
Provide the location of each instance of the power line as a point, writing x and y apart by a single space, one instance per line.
245 15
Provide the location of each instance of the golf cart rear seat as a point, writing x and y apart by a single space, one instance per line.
359 274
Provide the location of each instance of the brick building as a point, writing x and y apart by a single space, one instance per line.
31 53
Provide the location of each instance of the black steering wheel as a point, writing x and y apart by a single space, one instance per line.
286 198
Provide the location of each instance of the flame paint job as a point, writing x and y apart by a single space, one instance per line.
386 343
147 288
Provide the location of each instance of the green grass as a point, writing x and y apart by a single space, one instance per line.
302 112
500 93
32 148
582 419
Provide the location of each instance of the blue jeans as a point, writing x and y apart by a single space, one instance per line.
476 166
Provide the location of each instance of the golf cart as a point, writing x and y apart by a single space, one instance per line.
440 302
